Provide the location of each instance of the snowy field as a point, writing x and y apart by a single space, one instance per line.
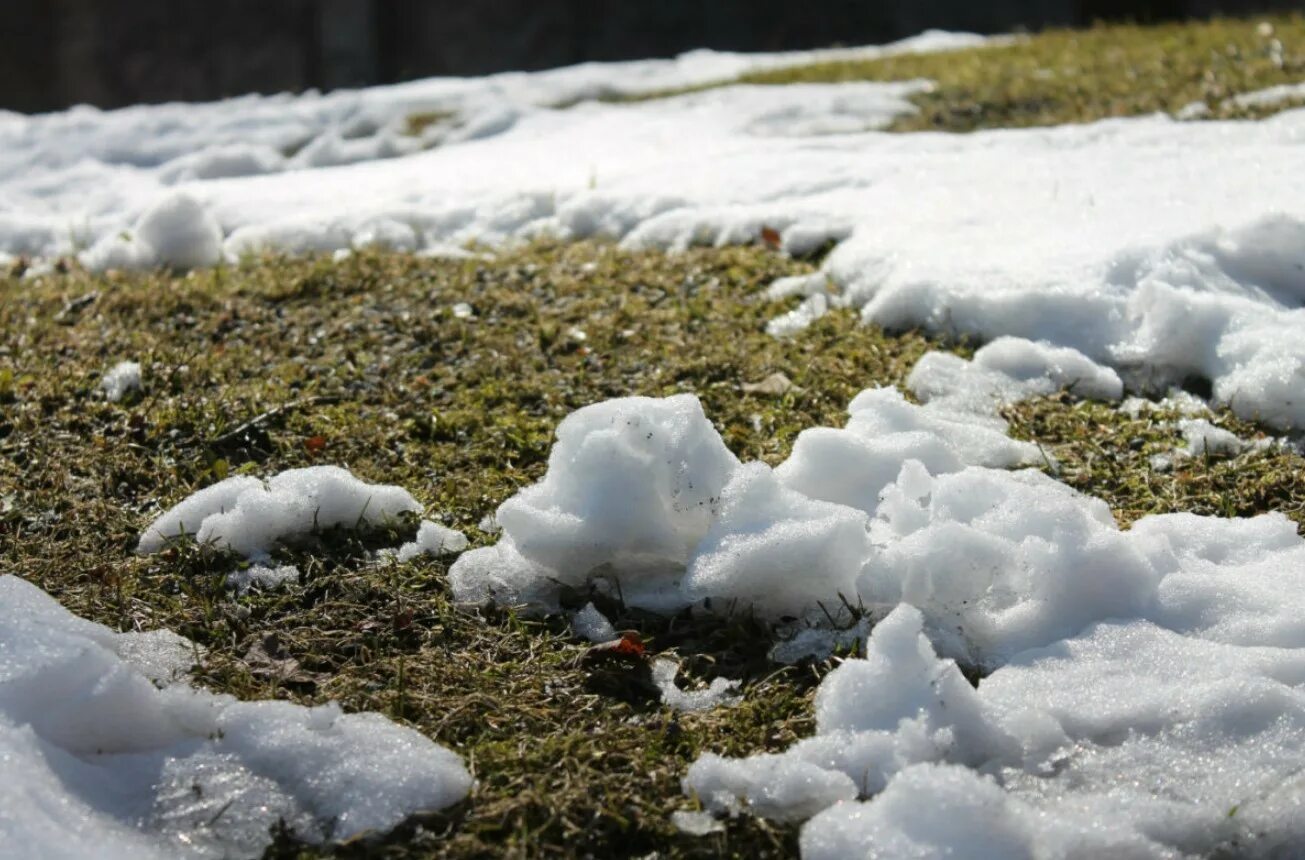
1142 690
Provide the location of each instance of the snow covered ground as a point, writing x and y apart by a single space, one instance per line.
1164 249
1146 689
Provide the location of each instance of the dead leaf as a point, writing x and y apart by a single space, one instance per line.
771 237
775 385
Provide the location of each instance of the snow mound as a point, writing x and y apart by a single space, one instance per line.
176 232
1179 719
121 378
249 516
1009 370
1001 562
776 551
852 466
632 486
101 762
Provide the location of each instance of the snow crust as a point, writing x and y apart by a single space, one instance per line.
102 762
250 516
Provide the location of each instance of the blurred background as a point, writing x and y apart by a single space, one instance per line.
116 52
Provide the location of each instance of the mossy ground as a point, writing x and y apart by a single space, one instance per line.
1071 76
370 368
379 375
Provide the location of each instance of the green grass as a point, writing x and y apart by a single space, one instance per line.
571 758
1072 76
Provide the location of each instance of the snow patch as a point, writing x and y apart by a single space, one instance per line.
102 762
250 517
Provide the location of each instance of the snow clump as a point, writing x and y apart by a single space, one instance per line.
100 761
1009 370
261 576
176 232
121 378
249 516
432 539
632 487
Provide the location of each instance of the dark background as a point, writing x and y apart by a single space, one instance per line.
54 53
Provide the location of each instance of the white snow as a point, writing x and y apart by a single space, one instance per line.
99 761
249 516
1151 246
1152 678
719 692
121 378
261 576
593 625
1270 96
1008 370
632 487
432 539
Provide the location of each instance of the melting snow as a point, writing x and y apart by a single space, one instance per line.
101 762
121 378
249 516
1133 242
1153 678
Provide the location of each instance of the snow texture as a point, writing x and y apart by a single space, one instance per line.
1151 678
593 625
250 517
632 487
1178 719
102 762
121 378
260 576
1008 370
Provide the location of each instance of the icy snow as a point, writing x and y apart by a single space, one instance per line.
593 625
249 516
121 378
99 761
261 576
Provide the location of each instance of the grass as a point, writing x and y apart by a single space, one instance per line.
572 758
363 363
1074 76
